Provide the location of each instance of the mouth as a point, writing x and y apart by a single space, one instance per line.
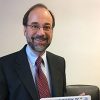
40 38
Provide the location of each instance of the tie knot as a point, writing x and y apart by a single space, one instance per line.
38 61
38 64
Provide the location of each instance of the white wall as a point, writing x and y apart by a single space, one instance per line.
76 35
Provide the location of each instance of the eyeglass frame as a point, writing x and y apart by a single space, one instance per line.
32 26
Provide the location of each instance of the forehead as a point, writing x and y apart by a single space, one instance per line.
40 15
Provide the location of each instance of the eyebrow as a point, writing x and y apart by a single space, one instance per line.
34 23
38 23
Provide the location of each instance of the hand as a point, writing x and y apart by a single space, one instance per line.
82 94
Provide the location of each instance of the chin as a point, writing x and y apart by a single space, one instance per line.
40 49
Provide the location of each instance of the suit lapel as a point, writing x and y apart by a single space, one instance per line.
24 72
54 74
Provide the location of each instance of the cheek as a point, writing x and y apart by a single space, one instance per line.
28 33
50 36
28 36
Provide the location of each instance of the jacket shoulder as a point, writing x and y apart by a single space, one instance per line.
54 56
12 56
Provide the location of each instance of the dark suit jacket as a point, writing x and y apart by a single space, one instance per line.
16 81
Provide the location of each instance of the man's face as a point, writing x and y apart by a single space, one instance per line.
38 31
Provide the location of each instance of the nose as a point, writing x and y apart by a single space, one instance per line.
41 31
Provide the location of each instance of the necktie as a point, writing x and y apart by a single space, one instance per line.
41 80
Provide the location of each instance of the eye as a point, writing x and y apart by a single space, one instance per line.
35 26
47 28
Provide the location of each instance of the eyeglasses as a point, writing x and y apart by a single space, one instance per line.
37 27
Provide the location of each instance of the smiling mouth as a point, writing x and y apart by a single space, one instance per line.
40 42
39 38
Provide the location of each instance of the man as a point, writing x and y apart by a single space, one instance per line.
18 71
